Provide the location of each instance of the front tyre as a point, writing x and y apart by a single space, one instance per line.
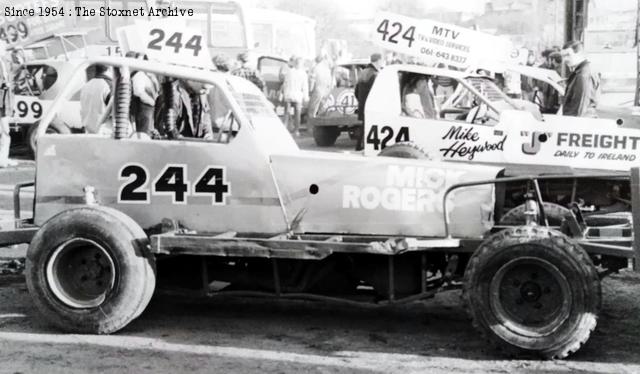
89 270
530 289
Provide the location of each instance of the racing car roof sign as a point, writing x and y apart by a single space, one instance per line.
166 41
438 42
25 22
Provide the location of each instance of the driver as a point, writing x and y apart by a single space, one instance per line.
417 99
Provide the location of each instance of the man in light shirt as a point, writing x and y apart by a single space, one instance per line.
321 83
295 91
146 88
94 100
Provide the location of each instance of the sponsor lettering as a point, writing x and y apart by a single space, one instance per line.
568 154
622 142
467 143
616 157
443 30
408 188
537 138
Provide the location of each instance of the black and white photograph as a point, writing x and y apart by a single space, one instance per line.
319 186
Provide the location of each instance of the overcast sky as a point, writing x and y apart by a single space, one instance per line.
370 6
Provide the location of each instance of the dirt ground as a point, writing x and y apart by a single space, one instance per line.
231 335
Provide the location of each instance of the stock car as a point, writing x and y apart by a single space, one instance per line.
338 111
477 123
36 84
249 213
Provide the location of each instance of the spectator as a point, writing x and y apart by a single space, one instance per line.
247 72
551 97
393 58
94 100
528 85
320 84
6 112
581 95
146 89
221 63
365 81
295 90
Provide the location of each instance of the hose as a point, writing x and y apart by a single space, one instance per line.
122 103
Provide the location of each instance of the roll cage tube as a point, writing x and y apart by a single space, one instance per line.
485 100
180 72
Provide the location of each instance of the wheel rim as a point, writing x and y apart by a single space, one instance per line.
530 296
81 273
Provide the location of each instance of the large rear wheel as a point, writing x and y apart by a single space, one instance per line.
530 289
89 270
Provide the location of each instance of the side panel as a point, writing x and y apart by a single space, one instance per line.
237 194
382 196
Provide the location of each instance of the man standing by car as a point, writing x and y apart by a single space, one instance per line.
94 102
365 81
321 82
581 95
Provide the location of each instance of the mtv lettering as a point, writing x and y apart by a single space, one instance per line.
408 188
447 33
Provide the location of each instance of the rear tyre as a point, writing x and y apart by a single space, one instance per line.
405 150
89 270
325 136
54 128
555 214
531 290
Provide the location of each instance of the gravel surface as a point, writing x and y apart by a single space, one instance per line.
231 335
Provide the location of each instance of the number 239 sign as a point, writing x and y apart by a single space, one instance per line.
166 41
